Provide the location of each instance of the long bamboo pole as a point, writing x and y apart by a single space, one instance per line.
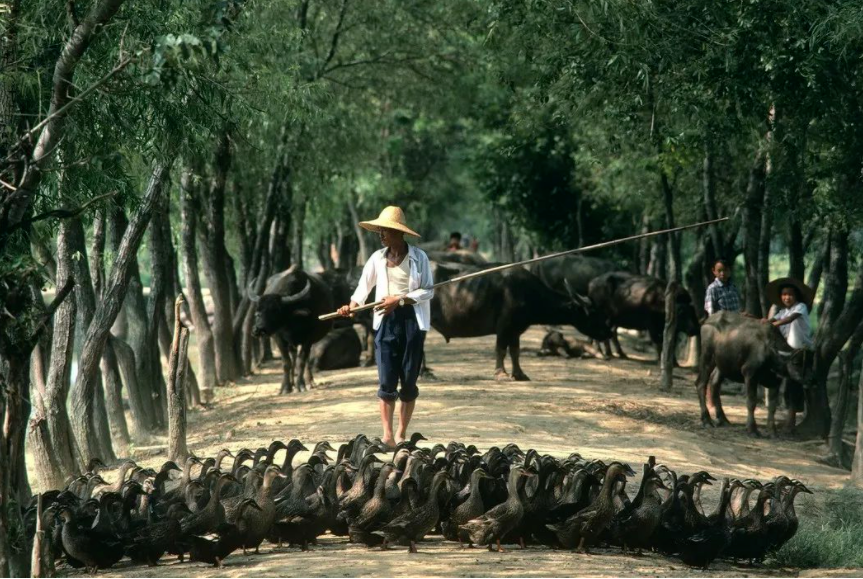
456 279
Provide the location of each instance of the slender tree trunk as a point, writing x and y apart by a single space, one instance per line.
673 238
140 384
839 454
86 300
796 251
363 254
752 216
709 188
299 232
669 337
764 245
857 464
160 281
177 449
138 405
113 382
204 335
62 348
644 244
243 228
106 312
818 266
838 320
214 257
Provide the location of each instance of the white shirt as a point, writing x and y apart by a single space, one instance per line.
398 277
419 283
798 333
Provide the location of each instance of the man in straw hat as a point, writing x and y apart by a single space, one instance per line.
791 299
401 275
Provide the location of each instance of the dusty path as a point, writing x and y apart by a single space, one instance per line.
608 410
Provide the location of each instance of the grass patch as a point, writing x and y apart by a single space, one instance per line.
830 533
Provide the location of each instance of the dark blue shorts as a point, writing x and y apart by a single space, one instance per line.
399 354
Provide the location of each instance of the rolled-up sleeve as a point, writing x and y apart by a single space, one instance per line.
368 279
425 292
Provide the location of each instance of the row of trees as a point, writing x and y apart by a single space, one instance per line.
198 148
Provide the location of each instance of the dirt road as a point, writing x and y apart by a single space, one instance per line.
607 410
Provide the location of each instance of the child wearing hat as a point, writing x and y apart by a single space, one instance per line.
791 313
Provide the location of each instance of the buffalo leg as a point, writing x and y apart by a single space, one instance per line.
514 352
303 360
715 387
751 401
500 353
704 376
607 345
620 353
287 365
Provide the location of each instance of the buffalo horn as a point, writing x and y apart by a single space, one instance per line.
298 296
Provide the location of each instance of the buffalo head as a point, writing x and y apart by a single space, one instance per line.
273 311
587 319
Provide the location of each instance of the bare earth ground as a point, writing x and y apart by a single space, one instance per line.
607 410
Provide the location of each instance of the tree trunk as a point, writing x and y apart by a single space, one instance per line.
97 252
658 252
818 266
857 464
106 312
138 405
299 232
796 251
62 348
243 228
160 281
764 245
140 385
214 256
177 449
669 338
709 188
86 301
838 321
644 245
752 210
114 400
203 333
673 238
363 251
839 453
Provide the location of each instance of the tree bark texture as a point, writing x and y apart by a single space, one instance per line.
752 209
839 453
136 337
215 257
857 464
113 383
203 334
62 353
669 338
764 245
796 251
299 231
177 449
709 190
106 312
673 238
363 253
86 300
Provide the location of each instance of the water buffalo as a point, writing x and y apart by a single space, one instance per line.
576 270
342 283
341 348
506 304
638 302
461 256
744 349
288 310
555 342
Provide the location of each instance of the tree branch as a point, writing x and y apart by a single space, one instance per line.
61 213
334 43
52 307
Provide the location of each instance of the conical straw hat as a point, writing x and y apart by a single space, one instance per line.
392 218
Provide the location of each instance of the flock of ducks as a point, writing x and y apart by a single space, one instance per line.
381 497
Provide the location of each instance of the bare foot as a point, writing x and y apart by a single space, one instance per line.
390 442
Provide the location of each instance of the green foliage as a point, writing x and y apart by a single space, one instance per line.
830 533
